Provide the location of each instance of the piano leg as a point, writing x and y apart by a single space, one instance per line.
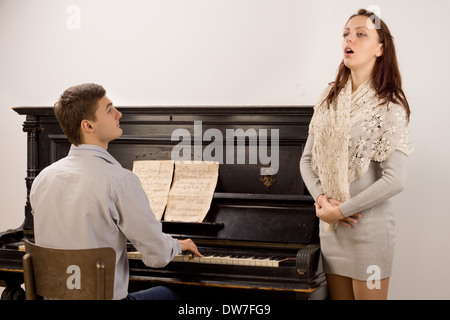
13 291
321 293
12 281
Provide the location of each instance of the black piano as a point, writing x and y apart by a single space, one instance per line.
260 236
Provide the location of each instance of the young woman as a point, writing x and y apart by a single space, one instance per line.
355 160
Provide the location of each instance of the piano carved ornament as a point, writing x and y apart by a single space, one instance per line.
260 236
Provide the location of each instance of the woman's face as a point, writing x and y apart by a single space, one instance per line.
361 45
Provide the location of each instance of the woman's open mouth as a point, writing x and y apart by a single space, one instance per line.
348 51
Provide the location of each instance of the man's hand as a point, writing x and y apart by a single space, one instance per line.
188 244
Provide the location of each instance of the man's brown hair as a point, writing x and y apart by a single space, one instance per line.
76 104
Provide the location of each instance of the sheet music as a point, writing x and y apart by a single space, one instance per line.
192 191
156 178
189 198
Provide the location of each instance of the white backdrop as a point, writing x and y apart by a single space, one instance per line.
234 52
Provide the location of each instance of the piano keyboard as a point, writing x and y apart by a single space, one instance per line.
230 259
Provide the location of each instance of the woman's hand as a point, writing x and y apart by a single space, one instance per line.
347 221
328 211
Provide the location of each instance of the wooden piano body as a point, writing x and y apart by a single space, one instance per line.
261 228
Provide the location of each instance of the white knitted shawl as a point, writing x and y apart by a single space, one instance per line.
352 132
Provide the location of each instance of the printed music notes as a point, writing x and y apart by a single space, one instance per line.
192 191
156 178
188 197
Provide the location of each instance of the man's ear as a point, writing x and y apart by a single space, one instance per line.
86 126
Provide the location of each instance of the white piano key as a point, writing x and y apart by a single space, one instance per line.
211 259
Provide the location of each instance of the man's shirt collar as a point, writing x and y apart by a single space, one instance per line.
92 150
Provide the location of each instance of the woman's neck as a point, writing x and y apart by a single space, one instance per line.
359 77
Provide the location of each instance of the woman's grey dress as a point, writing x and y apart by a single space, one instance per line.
368 246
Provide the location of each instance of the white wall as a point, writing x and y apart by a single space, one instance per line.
235 52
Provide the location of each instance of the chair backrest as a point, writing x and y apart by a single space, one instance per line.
68 274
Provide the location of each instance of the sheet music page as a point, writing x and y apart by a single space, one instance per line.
192 190
156 178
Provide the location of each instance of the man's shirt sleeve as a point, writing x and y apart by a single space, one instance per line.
139 224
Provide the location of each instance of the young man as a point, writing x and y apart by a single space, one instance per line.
87 200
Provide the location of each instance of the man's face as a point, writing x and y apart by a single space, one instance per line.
106 126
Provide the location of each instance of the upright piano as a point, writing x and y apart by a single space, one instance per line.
260 236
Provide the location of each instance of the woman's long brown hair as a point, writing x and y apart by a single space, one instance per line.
386 74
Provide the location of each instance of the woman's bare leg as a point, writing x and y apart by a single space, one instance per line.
363 292
340 287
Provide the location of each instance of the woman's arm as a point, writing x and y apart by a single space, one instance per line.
310 179
392 182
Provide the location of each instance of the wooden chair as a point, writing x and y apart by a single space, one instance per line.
71 274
